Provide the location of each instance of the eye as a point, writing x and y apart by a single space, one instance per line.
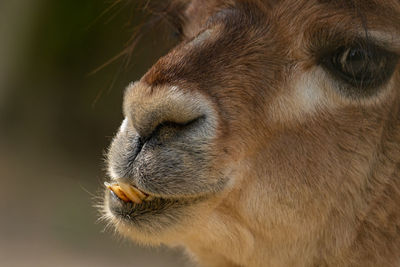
176 33
361 68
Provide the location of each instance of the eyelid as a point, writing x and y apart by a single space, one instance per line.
369 43
323 41
382 40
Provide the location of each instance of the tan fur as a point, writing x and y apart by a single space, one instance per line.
282 169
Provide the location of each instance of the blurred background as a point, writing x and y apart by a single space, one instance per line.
58 112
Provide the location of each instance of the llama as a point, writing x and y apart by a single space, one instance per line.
269 136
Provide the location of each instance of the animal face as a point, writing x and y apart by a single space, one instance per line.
265 120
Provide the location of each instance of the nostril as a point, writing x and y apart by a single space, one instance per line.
168 127
150 108
176 125
153 124
162 132
162 114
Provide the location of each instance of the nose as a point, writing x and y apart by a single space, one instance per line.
149 107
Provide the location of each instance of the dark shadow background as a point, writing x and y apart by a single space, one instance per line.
56 120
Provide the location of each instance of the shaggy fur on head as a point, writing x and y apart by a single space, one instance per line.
270 136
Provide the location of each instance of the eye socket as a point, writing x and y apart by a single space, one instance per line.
362 68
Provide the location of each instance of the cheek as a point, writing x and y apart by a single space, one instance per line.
304 97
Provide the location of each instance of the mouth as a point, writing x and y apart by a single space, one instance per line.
145 211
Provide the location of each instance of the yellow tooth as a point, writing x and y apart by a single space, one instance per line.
131 193
149 198
126 181
139 193
117 190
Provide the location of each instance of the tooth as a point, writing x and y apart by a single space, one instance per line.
141 194
138 192
131 193
149 198
117 190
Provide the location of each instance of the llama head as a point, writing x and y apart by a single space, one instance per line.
267 113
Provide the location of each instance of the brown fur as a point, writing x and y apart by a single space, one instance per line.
280 168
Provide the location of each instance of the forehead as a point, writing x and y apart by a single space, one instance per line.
318 22
377 12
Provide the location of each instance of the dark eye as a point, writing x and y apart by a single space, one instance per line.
176 32
363 67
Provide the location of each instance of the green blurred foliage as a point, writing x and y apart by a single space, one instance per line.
57 116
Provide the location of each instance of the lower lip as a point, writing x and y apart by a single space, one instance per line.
139 215
157 207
